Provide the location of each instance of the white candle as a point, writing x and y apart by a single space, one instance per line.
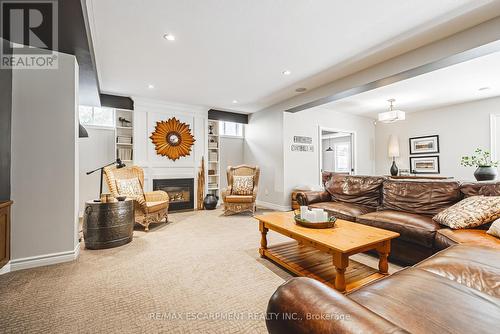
317 214
303 211
325 216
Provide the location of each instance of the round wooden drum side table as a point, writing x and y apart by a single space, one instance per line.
108 225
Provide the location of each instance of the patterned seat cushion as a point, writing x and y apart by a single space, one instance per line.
470 212
242 185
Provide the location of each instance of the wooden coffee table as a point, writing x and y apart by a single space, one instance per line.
317 249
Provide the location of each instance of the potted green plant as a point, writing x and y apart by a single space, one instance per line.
486 168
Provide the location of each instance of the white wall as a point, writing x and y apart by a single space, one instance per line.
231 154
44 164
461 128
264 147
146 113
95 151
303 168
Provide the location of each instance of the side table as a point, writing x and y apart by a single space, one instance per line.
108 225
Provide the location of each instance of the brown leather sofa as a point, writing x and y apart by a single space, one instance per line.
454 291
403 206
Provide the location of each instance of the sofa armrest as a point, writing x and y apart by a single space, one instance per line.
304 305
311 197
156 196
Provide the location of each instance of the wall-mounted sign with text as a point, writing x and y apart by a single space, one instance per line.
302 148
302 140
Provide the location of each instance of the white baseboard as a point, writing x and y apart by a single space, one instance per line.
44 260
5 269
273 206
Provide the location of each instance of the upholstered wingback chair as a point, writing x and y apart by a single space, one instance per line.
237 198
150 207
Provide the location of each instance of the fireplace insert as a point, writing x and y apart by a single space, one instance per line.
180 191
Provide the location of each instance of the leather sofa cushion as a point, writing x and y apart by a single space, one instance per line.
341 210
422 302
488 188
476 267
447 237
411 227
420 197
362 190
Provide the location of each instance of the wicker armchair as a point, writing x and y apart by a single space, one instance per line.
151 208
238 203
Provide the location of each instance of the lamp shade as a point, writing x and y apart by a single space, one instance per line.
393 148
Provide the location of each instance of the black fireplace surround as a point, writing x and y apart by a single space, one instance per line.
180 191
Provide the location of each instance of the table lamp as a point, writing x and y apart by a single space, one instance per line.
393 152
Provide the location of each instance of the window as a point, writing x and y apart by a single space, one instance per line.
342 157
231 129
96 116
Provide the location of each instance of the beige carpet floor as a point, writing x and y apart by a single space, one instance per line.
200 273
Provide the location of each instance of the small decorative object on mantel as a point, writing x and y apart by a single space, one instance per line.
425 165
172 139
315 218
201 185
486 168
424 145
124 122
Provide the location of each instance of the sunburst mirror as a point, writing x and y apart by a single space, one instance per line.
172 139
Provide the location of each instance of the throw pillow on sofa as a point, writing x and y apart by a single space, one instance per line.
470 212
242 185
494 229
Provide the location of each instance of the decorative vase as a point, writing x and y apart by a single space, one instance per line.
486 173
210 202
394 168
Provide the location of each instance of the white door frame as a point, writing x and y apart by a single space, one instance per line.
494 122
354 165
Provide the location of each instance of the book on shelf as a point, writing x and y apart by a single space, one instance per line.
212 156
125 153
124 140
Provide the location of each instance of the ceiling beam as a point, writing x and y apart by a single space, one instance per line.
411 73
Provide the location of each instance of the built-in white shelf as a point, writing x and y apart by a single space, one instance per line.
213 156
124 151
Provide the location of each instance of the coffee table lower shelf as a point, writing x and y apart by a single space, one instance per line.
309 262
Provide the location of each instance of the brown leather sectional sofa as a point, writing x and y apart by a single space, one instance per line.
403 206
454 291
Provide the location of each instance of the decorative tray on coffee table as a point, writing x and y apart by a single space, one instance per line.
305 223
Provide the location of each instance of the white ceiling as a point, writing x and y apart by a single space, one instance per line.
451 85
229 50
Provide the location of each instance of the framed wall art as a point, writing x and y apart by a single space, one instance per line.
424 145
425 165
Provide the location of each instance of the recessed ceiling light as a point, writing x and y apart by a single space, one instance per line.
169 37
150 86
286 72
235 101
484 88
301 90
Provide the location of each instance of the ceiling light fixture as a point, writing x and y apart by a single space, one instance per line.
235 101
286 72
150 86
393 115
169 37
